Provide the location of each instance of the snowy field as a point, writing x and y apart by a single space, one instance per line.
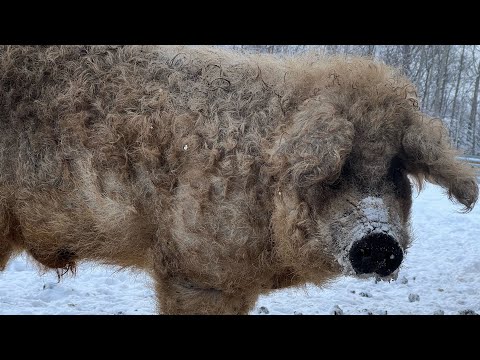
441 274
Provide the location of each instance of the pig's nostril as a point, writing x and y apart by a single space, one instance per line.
376 253
365 251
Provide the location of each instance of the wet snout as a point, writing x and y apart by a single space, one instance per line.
377 253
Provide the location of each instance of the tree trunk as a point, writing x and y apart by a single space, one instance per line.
438 82
473 112
447 50
425 89
406 58
421 66
455 97
371 50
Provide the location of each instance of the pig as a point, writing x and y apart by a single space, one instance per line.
222 175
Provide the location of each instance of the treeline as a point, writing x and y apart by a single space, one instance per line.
447 79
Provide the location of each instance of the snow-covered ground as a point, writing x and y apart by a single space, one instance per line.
441 273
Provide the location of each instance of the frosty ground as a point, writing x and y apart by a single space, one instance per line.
440 274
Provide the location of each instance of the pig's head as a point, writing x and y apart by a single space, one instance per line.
345 166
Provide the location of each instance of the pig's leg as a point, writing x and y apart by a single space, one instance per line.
10 237
175 297
6 251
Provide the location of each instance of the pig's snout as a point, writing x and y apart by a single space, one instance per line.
376 253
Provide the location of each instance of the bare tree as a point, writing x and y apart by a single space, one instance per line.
428 67
371 50
455 96
443 78
473 111
406 59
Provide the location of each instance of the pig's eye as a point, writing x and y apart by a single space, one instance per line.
396 170
335 185
397 174
345 174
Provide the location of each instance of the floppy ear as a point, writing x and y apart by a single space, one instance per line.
429 154
313 147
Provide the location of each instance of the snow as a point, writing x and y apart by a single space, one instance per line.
374 209
376 219
440 274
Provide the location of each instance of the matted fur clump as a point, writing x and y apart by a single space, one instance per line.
224 175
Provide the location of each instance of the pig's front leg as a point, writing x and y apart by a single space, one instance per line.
176 297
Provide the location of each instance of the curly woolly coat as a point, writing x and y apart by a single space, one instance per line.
209 169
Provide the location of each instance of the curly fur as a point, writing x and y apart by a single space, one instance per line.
214 171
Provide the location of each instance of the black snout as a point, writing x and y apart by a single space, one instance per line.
376 253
